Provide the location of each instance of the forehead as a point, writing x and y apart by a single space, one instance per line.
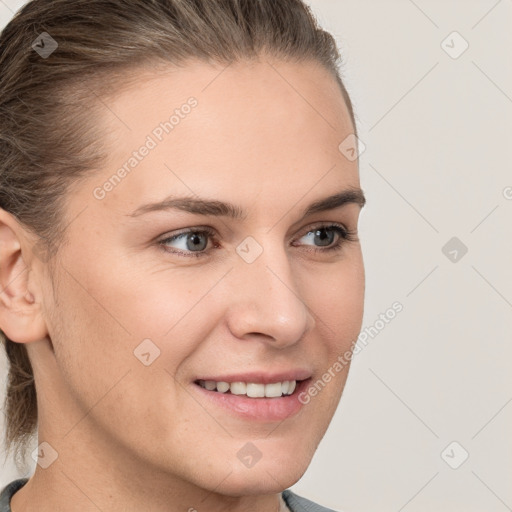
226 129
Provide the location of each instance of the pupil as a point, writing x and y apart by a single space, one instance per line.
329 238
195 237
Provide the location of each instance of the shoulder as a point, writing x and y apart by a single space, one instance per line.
299 504
7 492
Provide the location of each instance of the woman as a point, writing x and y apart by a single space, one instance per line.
180 268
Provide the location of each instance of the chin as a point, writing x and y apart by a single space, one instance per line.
266 476
255 482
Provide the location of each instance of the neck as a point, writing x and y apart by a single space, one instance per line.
47 494
87 476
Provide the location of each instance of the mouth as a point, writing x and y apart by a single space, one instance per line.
251 389
256 402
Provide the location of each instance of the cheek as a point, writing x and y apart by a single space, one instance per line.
92 343
336 297
102 368
130 329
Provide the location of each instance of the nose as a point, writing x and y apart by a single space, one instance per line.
266 302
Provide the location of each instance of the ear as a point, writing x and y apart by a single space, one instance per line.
21 316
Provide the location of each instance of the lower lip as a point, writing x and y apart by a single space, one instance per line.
257 409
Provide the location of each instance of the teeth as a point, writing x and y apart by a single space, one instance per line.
238 388
251 389
210 384
272 390
222 386
255 390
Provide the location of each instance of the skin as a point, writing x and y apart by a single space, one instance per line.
136 437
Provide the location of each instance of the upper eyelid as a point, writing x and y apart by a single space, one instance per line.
212 233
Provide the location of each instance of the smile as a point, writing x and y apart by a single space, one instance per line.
254 401
251 389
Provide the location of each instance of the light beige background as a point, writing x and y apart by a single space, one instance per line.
437 164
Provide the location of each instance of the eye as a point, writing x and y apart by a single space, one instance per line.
195 241
318 234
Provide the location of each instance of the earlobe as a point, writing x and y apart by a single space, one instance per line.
20 313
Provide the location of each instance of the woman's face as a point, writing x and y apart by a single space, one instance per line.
265 296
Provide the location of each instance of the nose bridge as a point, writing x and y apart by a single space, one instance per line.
267 300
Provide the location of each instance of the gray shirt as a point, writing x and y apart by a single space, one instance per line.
295 503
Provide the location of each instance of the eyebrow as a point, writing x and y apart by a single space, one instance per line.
217 208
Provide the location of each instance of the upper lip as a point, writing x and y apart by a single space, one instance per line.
261 376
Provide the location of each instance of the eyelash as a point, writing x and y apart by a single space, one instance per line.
345 235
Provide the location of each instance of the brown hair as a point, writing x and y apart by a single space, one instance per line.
49 104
